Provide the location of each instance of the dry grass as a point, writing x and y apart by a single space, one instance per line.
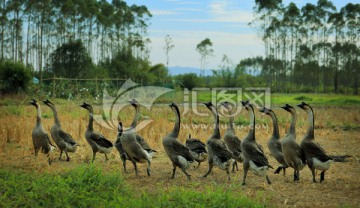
341 186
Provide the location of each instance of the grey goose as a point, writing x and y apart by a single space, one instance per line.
96 140
179 154
315 155
254 156
197 149
63 140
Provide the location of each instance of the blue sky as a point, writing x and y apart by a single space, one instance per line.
188 22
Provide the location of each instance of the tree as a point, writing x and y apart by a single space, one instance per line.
205 50
71 60
189 80
168 46
14 77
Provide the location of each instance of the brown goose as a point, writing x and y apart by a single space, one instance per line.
254 156
197 149
179 155
219 154
292 152
132 147
63 140
97 141
231 140
274 143
39 136
120 148
315 155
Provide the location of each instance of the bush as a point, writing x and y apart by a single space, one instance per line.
14 77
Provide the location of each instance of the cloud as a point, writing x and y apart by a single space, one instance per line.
229 11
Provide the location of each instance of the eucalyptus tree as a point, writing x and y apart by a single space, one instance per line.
167 48
205 50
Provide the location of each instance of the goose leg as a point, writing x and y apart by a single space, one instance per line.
228 173
124 165
94 154
268 179
313 175
246 169
284 170
49 159
148 169
106 157
67 156
198 165
187 175
295 175
278 169
135 167
173 172
322 176
60 154
233 168
209 171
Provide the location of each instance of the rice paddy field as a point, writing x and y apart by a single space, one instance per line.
29 182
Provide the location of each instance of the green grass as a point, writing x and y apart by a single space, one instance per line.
89 186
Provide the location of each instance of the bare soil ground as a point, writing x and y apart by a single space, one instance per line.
336 130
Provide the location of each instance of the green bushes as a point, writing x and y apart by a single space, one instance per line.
14 77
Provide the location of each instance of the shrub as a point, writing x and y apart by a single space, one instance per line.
14 77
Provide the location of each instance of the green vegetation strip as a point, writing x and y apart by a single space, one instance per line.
89 186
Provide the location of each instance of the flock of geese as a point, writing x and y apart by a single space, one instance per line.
219 152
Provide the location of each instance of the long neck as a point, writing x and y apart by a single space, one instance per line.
176 129
275 125
216 133
133 124
310 131
91 120
231 121
251 133
56 118
293 122
38 116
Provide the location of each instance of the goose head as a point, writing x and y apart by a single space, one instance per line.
134 103
47 102
303 105
265 110
34 103
247 105
87 107
288 108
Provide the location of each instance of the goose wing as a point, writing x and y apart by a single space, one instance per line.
66 137
180 149
220 149
143 143
195 145
278 145
100 140
313 149
255 153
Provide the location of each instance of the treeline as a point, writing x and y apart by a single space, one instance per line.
315 48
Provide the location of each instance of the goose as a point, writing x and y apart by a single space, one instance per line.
315 155
231 140
40 137
254 156
131 145
197 149
274 143
96 140
123 155
118 145
219 154
63 140
179 154
292 152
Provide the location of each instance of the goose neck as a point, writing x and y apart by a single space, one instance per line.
133 124
275 125
310 131
56 118
252 123
216 133
91 120
176 129
38 115
293 122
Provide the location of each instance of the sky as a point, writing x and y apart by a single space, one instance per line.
224 22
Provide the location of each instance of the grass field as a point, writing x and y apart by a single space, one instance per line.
26 182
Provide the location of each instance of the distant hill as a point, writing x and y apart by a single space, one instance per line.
176 70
